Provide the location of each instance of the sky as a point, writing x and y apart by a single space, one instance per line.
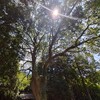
97 57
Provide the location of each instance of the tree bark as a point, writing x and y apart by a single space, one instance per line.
38 82
38 85
35 85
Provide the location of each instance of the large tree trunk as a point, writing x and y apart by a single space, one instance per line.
35 85
38 82
38 85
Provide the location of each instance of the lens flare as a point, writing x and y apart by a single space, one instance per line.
55 12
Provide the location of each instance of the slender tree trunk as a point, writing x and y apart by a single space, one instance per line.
71 93
43 85
84 85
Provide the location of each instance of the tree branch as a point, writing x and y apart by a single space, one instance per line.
26 69
26 63
82 33
74 46
55 36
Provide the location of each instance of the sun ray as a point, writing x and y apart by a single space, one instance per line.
55 12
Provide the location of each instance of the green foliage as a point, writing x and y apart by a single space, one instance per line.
10 53
64 79
23 81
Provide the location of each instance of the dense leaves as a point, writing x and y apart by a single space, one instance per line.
10 54
66 82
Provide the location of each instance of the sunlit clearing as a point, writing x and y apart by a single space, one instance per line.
55 12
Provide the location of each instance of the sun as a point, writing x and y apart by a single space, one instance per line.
55 12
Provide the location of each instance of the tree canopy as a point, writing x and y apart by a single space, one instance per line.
63 43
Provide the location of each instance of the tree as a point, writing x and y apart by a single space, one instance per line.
62 77
45 38
10 52
72 78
